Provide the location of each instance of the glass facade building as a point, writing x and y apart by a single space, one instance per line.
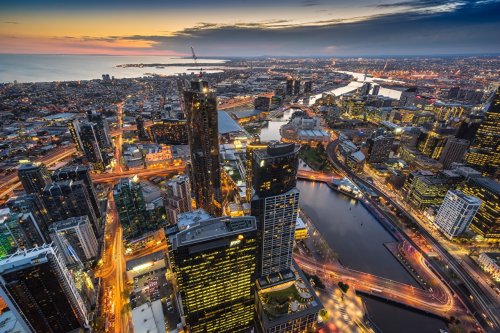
201 110
34 177
486 222
131 208
214 261
484 153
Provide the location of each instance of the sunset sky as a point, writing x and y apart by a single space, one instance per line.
251 28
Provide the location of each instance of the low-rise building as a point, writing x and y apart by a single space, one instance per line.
490 263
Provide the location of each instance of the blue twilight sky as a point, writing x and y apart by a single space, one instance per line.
251 28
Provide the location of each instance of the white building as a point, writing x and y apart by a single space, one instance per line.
75 239
456 213
490 263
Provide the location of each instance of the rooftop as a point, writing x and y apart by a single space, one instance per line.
488 183
212 229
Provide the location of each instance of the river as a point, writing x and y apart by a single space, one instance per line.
358 239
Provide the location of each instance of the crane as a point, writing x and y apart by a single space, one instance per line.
195 59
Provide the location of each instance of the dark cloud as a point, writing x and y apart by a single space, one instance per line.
10 22
417 3
309 3
465 29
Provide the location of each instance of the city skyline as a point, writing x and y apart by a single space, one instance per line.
283 28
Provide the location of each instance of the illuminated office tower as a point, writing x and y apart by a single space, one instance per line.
39 290
456 213
75 239
131 207
486 223
453 151
18 231
484 153
201 109
275 204
177 197
68 198
214 261
33 176
79 172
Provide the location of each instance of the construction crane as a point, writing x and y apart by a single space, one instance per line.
195 59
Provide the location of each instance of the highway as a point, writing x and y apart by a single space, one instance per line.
112 271
488 314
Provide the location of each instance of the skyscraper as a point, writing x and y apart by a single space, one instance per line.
38 288
453 151
289 87
201 110
131 207
275 204
486 223
79 172
214 261
456 213
90 146
484 153
296 87
177 197
68 198
307 87
33 176
75 239
101 129
249 166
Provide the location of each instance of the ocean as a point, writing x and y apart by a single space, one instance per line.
47 68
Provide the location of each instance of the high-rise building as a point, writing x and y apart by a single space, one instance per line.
177 197
484 153
308 87
74 130
453 151
262 103
90 146
289 87
101 129
379 148
33 176
432 142
486 223
456 213
18 231
296 87
141 128
201 110
34 205
38 288
79 172
68 198
214 261
131 207
275 204
75 239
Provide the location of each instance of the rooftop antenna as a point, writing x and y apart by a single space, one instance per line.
195 58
